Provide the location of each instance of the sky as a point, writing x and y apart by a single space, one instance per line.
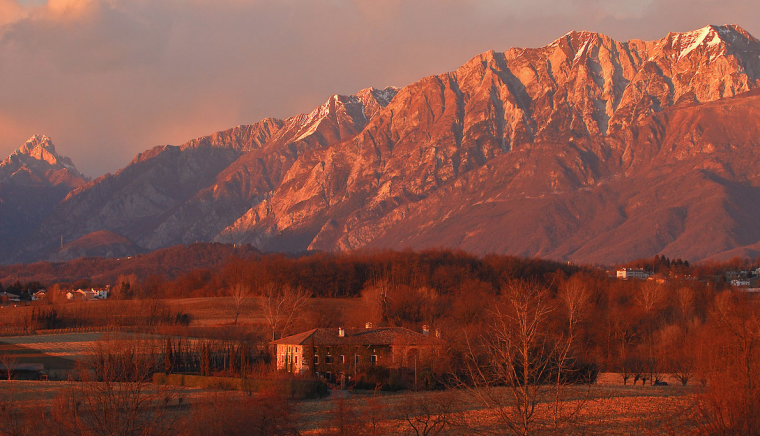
107 79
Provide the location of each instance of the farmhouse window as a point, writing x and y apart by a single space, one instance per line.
329 359
316 359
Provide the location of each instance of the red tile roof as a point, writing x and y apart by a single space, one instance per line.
358 336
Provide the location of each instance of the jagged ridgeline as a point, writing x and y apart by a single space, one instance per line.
587 149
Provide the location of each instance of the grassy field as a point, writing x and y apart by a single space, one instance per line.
602 409
203 312
610 409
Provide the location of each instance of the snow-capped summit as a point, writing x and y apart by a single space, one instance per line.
711 40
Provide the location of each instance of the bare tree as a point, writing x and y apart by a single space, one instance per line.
433 414
114 395
516 352
240 292
574 295
650 295
685 300
676 351
282 305
732 368
9 361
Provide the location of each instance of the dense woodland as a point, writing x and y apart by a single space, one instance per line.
685 324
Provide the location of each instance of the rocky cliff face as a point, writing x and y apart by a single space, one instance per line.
586 149
33 180
532 124
181 194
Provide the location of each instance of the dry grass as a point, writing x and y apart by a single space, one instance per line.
609 410
220 311
204 311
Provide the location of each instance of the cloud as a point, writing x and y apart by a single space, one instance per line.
107 79
10 11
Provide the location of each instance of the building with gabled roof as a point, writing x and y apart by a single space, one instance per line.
338 354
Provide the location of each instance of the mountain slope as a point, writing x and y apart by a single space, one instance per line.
518 114
33 179
586 149
181 194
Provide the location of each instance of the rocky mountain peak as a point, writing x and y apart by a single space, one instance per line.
577 40
38 156
41 148
374 100
710 42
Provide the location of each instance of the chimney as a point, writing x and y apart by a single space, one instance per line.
368 325
341 332
425 329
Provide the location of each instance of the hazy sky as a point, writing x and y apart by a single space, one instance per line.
106 79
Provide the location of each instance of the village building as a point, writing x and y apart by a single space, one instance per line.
88 294
339 354
741 283
632 273
8 297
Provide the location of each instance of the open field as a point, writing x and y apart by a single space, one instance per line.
604 409
216 311
203 311
600 410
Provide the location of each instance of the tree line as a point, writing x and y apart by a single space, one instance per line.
530 325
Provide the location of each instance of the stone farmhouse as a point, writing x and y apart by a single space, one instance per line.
339 354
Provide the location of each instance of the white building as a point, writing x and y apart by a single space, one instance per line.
632 273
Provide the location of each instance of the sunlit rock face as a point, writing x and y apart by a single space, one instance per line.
540 151
586 149
33 180
182 194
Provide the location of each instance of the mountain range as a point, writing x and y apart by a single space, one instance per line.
586 149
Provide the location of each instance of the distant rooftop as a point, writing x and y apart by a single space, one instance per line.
357 336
